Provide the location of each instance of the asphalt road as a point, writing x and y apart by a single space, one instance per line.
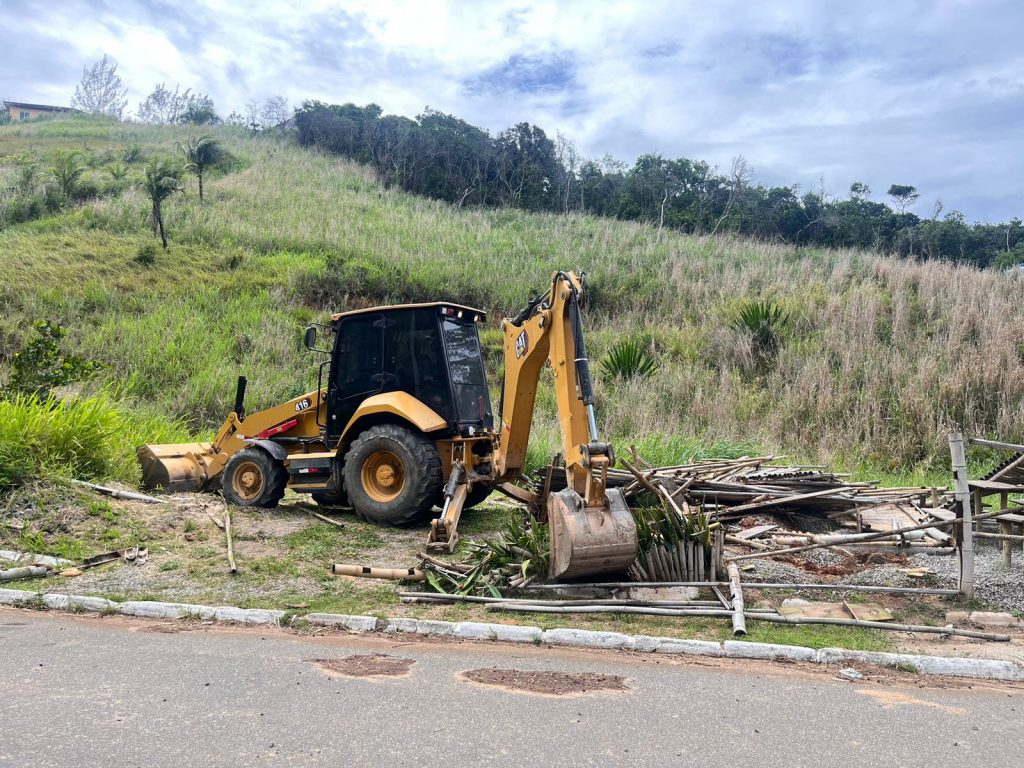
77 691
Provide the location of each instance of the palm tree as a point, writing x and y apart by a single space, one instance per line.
201 154
163 179
67 170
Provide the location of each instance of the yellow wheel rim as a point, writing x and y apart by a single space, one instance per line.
247 481
382 476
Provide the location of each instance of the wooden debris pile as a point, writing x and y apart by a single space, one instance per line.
728 489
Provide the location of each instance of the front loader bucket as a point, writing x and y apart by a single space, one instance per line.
175 468
590 540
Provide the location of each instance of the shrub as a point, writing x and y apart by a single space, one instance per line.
146 255
66 172
42 365
89 438
132 154
628 359
117 171
343 277
765 322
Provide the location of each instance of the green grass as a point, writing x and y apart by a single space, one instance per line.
89 437
877 359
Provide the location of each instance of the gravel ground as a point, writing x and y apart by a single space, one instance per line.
998 588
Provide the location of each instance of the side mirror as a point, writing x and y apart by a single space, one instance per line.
309 338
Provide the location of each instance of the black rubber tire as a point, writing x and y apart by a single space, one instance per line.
477 496
274 478
421 467
330 500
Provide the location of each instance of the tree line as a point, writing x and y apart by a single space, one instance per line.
101 91
443 157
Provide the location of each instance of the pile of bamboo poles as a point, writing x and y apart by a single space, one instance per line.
732 488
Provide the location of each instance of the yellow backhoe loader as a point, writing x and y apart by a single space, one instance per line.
404 424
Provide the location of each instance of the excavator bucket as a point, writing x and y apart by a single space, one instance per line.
175 468
590 540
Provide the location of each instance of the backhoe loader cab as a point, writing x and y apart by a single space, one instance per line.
430 352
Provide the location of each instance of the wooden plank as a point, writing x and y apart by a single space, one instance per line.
757 530
994 486
785 500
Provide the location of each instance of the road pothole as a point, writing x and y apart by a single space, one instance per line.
366 665
546 683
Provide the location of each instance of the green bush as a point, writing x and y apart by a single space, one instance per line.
90 438
146 255
42 365
766 322
628 359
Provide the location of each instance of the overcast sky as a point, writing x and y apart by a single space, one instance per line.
923 93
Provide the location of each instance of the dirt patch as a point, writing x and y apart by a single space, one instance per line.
366 665
547 683
891 699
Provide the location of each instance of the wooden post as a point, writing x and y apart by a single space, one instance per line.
963 499
1006 529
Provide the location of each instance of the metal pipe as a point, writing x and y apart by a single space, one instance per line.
753 585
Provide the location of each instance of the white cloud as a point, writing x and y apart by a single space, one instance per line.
928 93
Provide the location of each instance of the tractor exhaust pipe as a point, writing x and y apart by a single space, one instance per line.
240 398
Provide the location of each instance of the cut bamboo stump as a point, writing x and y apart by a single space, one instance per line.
369 572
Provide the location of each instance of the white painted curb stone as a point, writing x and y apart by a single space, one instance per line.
991 669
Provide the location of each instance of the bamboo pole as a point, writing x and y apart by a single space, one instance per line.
118 494
750 614
753 585
1005 529
739 624
867 537
325 518
1007 537
24 572
370 572
232 568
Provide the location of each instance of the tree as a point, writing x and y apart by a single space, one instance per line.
252 111
568 163
199 111
526 166
859 191
164 106
274 111
903 196
202 154
163 179
101 91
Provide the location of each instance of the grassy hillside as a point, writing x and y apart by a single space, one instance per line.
879 358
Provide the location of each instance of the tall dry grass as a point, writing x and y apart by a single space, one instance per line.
880 359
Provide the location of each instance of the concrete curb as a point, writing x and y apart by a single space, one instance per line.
988 669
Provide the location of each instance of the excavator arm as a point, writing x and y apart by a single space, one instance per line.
550 330
591 527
